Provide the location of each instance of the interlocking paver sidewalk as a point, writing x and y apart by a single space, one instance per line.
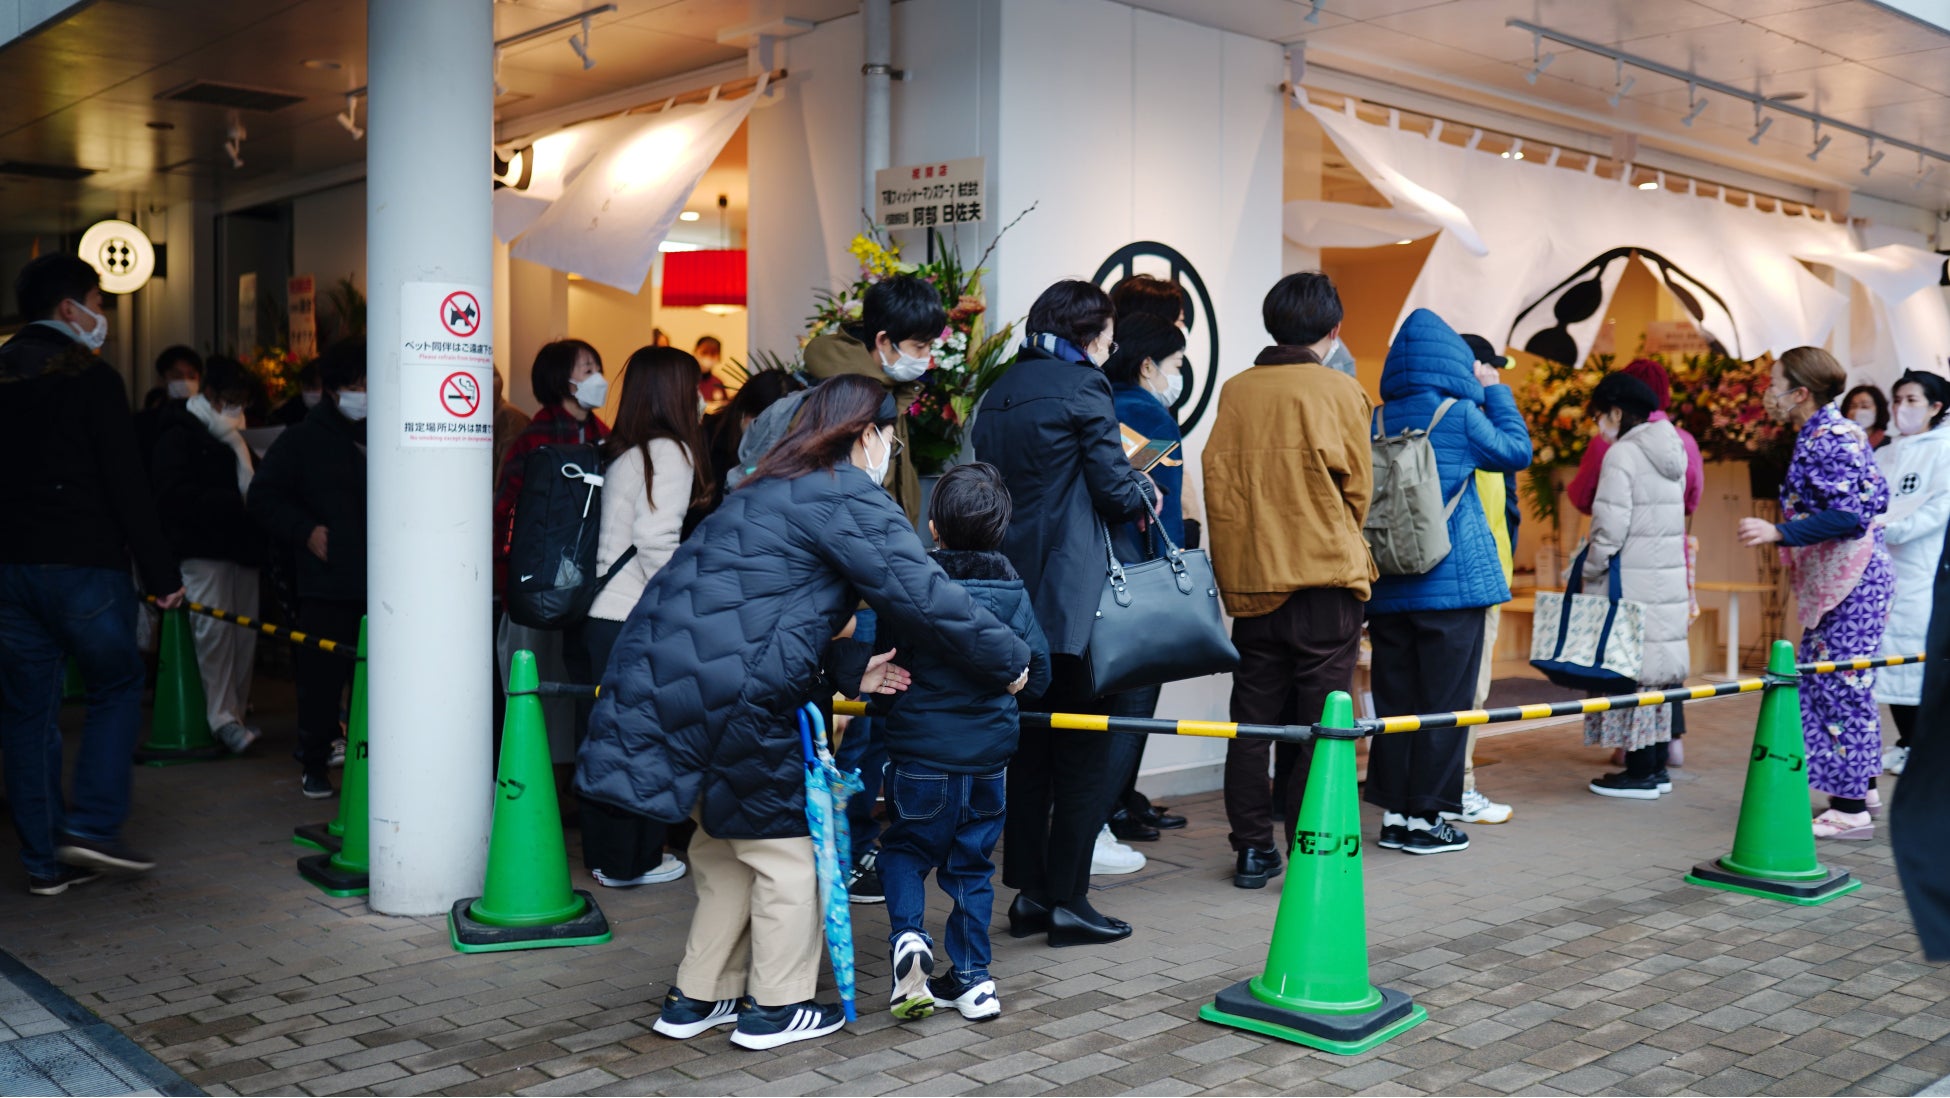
1560 954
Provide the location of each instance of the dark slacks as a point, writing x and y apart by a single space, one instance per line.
1061 785
1142 702
323 676
1423 662
622 844
1289 661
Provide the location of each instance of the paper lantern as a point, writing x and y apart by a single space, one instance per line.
704 278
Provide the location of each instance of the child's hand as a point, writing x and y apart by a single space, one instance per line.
884 676
1022 680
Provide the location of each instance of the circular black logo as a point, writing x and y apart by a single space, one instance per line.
1163 261
118 256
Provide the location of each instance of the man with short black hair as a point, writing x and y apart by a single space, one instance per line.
1288 476
179 376
78 512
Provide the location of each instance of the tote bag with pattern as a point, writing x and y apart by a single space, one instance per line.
1588 642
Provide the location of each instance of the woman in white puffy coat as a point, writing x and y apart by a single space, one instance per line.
1638 526
1917 468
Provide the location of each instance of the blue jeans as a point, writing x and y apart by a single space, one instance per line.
862 749
948 823
48 612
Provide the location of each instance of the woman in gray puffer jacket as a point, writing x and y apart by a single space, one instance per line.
1638 526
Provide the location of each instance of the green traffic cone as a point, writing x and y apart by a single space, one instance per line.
179 724
347 872
528 902
72 689
1774 846
1315 989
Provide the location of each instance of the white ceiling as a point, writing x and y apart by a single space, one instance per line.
1852 59
83 92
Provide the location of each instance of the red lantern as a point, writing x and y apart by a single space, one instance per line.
704 278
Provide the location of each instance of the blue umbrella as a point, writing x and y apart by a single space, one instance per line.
828 788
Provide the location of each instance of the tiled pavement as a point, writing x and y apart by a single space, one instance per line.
1561 954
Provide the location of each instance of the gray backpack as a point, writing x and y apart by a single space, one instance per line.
1408 522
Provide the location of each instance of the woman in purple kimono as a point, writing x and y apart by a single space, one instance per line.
1831 534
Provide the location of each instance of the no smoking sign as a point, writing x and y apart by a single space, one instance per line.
460 395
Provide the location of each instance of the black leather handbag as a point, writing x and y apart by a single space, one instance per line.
1158 621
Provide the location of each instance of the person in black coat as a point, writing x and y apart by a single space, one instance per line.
696 717
1050 425
201 470
310 496
1921 806
75 512
179 376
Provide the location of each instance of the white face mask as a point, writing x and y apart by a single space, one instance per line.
183 388
94 337
311 397
904 368
1339 358
1608 429
1174 387
591 391
352 405
1866 418
1912 419
879 471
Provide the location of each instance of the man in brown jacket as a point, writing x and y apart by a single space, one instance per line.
1288 477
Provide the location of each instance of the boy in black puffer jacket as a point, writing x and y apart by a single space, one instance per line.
948 741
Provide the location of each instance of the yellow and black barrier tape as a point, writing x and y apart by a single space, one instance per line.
337 648
1373 726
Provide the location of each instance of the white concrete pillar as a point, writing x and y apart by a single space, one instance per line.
877 25
429 506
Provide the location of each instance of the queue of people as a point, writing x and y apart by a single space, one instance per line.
771 553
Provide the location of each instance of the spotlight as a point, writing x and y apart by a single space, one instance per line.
499 91
234 141
1875 157
1820 144
1515 151
1314 15
1923 172
1649 185
348 119
1539 60
580 44
1698 105
1760 128
689 215
1621 85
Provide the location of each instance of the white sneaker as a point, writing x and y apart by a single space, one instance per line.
913 961
1478 809
669 870
1112 857
1894 759
338 753
236 738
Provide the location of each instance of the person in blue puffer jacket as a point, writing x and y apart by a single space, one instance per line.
1427 629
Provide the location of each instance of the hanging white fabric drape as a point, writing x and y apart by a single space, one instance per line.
622 186
1529 227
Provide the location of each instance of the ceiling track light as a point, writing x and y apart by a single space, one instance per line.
580 44
1694 100
1875 157
1515 151
348 119
1776 105
499 89
1761 126
1314 15
1539 61
1621 84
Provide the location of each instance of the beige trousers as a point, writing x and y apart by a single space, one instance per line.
225 653
1492 618
757 928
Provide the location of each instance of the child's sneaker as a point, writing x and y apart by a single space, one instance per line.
976 1001
684 1017
913 961
763 1027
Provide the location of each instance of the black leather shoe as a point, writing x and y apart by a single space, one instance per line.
1128 828
1027 917
1255 868
1162 820
1079 924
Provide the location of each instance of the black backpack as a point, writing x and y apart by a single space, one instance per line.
552 578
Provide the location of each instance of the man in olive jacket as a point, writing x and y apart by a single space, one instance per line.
1288 475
